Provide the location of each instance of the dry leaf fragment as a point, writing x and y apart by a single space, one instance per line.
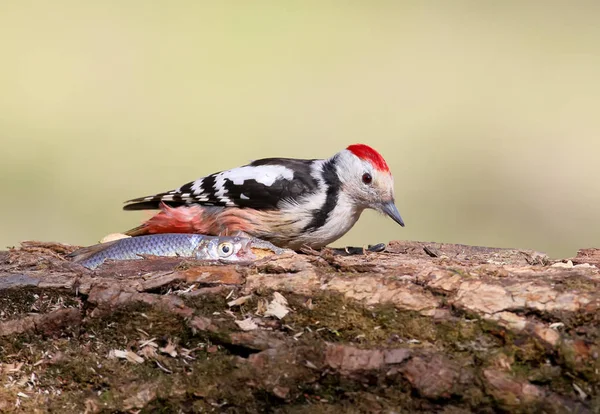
567 265
247 324
582 395
169 349
261 307
584 265
149 342
13 367
128 355
133 357
239 301
148 352
167 370
278 306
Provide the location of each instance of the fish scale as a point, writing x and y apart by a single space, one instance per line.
168 245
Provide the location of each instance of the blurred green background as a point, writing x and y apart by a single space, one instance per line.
487 112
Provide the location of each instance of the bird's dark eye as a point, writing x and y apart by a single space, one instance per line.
366 178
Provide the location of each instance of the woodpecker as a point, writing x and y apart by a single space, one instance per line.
290 202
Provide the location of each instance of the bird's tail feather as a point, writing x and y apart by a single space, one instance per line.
154 202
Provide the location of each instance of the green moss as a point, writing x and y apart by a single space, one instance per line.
334 318
207 305
134 322
15 302
574 282
13 346
218 380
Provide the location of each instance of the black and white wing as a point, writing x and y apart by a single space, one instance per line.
260 185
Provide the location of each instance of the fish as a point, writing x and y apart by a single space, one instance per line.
228 249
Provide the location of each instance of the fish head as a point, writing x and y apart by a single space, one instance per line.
227 249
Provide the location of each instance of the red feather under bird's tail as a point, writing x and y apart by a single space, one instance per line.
198 220
188 219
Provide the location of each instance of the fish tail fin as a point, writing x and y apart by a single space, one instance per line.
85 253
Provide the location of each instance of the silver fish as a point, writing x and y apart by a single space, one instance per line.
197 246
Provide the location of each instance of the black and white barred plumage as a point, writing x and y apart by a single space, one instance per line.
261 185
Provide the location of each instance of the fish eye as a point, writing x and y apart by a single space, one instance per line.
366 178
225 249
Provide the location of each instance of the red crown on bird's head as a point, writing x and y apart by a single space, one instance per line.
364 152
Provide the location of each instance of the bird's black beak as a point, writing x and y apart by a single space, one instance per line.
390 209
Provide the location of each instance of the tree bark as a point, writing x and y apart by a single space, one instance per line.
420 327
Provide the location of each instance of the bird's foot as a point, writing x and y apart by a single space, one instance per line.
353 251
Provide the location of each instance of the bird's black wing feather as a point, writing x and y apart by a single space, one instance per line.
250 193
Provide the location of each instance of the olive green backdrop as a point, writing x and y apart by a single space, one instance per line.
487 112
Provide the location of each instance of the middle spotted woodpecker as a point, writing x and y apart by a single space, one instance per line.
289 202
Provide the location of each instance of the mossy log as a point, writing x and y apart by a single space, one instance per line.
420 327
